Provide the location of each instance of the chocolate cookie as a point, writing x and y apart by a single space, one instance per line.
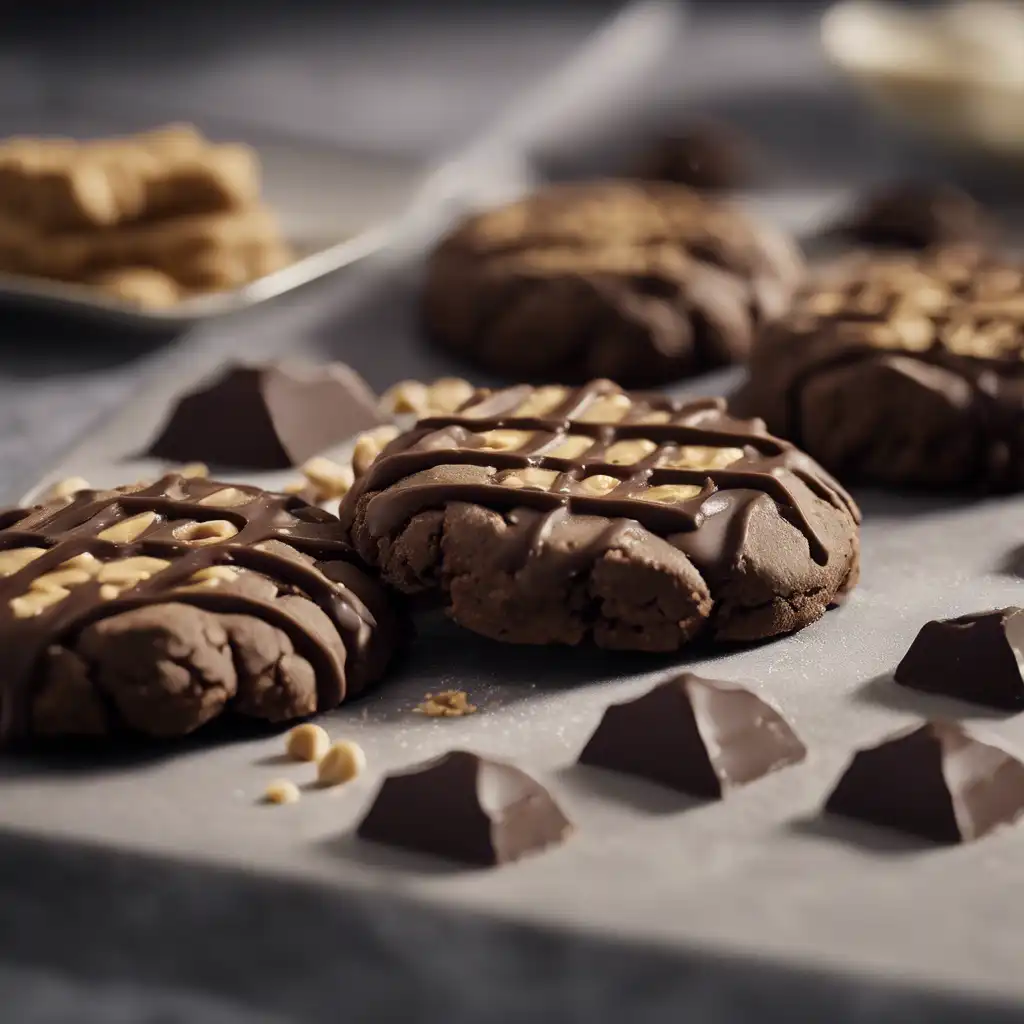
902 370
556 515
643 283
158 607
709 156
914 215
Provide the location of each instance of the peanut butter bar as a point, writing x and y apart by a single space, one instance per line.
61 184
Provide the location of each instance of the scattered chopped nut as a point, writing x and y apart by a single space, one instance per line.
36 601
15 559
446 704
342 763
281 791
405 396
192 470
307 742
214 575
327 479
212 531
413 396
129 529
369 445
448 394
229 497
66 488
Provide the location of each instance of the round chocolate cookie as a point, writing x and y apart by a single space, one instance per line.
709 156
913 215
556 515
643 283
904 370
155 608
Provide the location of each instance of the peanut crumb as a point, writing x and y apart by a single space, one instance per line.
281 791
342 763
307 742
194 470
446 704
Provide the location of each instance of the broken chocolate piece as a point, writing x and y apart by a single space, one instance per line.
466 808
698 736
975 658
935 781
270 416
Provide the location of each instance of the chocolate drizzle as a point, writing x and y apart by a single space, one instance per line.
443 459
265 523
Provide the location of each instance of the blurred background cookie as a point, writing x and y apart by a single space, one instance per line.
642 283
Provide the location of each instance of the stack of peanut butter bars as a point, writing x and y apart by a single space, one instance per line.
150 219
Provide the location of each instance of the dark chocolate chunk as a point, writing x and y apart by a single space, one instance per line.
975 658
699 736
155 608
918 215
901 368
638 521
271 416
466 808
935 781
709 156
641 282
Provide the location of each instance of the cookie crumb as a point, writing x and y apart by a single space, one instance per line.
446 704
281 791
307 742
342 763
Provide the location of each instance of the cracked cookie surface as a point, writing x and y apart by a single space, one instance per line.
159 607
642 283
561 515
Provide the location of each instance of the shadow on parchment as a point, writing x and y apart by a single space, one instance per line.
348 846
884 691
869 838
638 794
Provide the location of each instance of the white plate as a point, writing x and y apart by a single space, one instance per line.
335 206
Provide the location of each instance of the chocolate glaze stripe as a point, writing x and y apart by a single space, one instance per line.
70 530
766 477
661 433
389 509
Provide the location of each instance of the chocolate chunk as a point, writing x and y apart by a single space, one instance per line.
270 416
638 521
699 736
975 658
902 369
935 781
466 808
709 156
156 608
640 282
917 215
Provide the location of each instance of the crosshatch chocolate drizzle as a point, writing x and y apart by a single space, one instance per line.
66 530
700 526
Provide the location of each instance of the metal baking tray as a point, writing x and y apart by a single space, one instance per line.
336 206
759 875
